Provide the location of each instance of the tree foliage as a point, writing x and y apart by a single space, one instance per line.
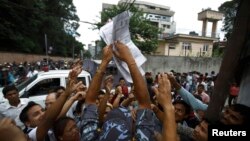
24 23
143 33
229 8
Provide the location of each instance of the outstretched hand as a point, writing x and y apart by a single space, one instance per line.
163 92
107 53
72 84
122 52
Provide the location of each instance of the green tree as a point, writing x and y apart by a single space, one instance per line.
86 54
143 33
24 23
217 51
229 8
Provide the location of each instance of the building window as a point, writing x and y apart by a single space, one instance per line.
163 9
186 46
158 17
151 7
205 48
164 26
171 46
168 26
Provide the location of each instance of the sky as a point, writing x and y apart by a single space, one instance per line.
186 15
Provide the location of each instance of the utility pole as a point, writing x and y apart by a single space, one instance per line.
46 47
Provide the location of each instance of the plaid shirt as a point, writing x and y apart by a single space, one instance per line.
118 125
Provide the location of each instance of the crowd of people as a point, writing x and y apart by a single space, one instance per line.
15 73
166 107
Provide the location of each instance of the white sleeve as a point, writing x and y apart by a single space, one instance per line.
32 134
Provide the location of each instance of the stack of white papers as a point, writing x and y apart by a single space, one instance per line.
118 29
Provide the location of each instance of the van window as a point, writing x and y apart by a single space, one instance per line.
43 87
26 82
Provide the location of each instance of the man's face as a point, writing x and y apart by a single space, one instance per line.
231 117
122 82
201 132
12 96
35 116
50 99
71 132
200 89
180 112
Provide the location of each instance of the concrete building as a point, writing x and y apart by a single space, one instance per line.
186 45
172 44
193 44
209 15
161 16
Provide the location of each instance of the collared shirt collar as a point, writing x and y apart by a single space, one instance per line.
22 102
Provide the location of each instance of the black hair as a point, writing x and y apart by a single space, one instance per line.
9 88
187 107
202 86
101 92
121 78
59 88
243 111
60 125
24 113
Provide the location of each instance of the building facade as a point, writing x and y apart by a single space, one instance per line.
186 45
172 44
159 15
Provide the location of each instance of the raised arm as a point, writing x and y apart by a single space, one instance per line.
90 120
96 82
52 113
195 103
144 115
69 103
163 95
141 92
103 103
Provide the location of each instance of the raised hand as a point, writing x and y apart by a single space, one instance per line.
164 97
122 52
72 84
163 92
78 95
77 62
107 53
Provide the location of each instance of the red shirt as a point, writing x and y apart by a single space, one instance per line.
234 91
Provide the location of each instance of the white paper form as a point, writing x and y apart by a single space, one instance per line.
118 29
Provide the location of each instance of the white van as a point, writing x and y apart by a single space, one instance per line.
36 88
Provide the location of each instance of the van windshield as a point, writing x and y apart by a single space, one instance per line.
26 82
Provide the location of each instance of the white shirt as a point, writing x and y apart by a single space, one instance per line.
32 73
32 135
13 112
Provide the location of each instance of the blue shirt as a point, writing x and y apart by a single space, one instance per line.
195 103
